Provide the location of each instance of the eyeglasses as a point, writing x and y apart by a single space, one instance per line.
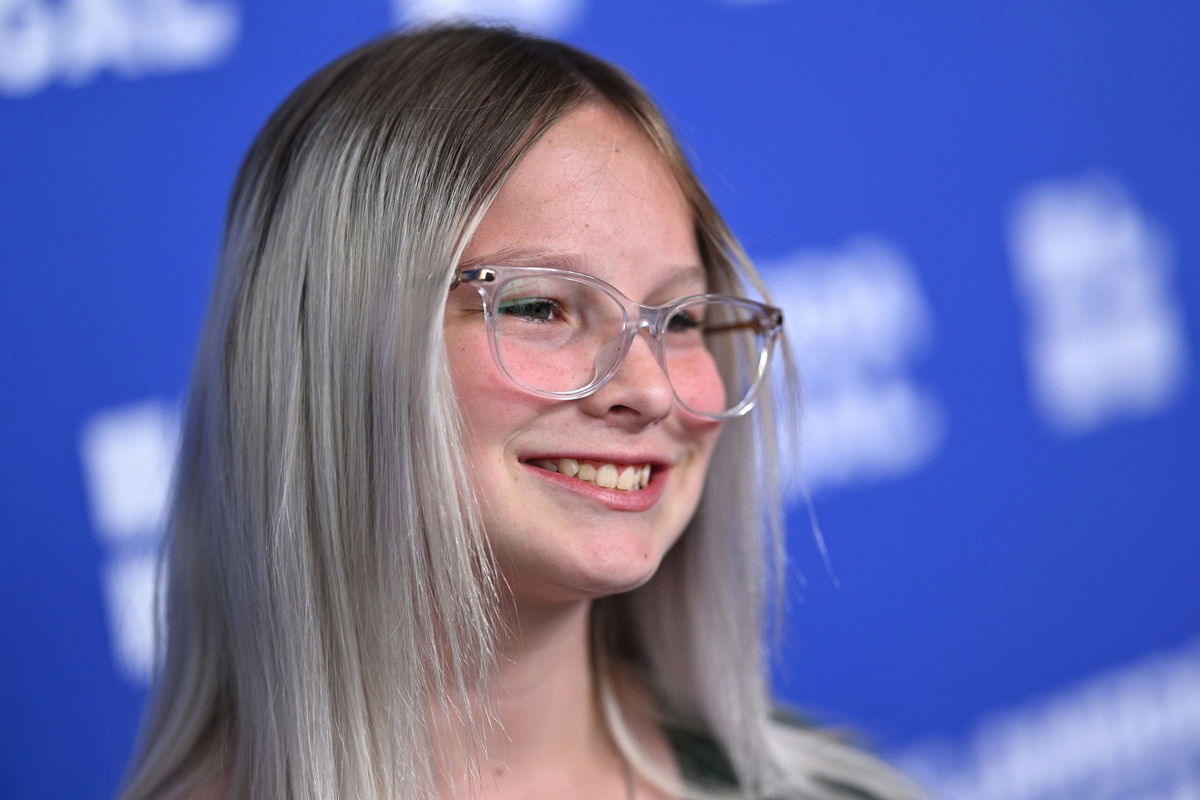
564 334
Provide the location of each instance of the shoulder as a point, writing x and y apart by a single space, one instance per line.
812 762
842 767
700 758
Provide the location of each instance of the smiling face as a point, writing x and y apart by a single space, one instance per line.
594 196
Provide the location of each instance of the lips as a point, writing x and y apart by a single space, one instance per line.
640 495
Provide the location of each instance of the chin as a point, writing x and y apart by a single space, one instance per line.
586 579
621 565
606 585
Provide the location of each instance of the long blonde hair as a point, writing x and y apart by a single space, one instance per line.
331 600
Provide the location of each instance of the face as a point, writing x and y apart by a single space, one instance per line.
592 195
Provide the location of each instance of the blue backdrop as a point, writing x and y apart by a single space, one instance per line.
981 220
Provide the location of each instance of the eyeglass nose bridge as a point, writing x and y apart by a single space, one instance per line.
616 350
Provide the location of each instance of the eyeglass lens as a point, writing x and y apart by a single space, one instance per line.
556 334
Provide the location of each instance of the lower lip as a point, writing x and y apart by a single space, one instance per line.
616 499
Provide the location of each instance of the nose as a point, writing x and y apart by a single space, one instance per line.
639 392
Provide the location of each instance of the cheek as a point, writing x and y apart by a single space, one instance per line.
478 383
701 435
470 363
705 434
697 380
478 387
492 406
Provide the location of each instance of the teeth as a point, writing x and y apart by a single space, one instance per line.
629 477
607 476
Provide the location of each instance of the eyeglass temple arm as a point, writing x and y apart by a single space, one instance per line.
771 320
468 275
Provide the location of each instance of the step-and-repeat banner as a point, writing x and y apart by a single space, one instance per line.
983 223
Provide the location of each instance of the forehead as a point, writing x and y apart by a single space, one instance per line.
596 191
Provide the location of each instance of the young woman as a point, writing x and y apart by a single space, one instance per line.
472 486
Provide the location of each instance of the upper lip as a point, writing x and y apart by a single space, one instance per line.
630 459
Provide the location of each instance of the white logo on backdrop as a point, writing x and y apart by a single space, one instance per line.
1129 734
549 16
128 457
1104 335
859 321
75 40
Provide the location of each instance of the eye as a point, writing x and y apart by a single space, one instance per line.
532 309
685 321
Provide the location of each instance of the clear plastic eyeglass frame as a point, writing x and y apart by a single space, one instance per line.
763 320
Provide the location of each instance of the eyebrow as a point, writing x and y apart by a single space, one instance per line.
523 257
683 275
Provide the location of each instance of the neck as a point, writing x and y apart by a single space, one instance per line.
549 737
543 693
